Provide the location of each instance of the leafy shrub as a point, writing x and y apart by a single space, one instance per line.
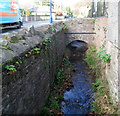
105 58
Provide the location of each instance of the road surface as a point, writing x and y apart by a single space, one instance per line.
35 24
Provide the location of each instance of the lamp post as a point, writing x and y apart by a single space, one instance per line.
51 20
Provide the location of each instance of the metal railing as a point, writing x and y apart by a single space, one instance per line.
35 18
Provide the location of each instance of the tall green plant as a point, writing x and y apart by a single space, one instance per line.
93 61
105 58
102 103
69 11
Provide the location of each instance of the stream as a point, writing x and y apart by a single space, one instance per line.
78 100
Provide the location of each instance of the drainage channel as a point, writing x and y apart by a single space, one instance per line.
78 100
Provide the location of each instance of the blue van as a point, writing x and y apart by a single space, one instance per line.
10 14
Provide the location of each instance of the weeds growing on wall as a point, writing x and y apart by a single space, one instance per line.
38 50
93 61
5 47
61 83
53 29
104 57
94 20
64 27
11 68
95 58
102 103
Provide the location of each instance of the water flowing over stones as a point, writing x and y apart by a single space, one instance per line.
78 100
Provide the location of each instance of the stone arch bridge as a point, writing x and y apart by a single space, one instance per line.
20 49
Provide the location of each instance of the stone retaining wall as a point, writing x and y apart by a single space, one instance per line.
113 47
37 53
107 34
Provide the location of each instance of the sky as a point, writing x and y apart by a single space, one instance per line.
29 3
64 2
67 2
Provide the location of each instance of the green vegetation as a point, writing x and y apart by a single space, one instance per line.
45 112
46 42
10 60
36 50
94 21
11 68
59 31
39 49
59 77
61 82
93 61
53 29
105 58
95 58
64 27
15 39
19 62
66 62
25 12
69 11
102 103
4 47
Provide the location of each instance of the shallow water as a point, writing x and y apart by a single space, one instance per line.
78 100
